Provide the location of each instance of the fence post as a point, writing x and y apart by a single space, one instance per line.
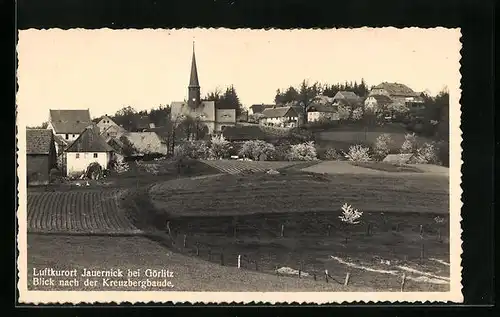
403 282
329 230
314 276
169 230
422 252
184 241
197 250
239 260
256 265
347 276
282 230
368 229
209 254
421 230
326 276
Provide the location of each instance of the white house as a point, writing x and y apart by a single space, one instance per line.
318 112
280 116
89 147
68 124
105 122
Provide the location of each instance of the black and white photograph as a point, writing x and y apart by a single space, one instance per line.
239 165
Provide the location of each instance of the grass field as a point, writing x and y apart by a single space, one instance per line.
216 214
388 167
243 215
190 274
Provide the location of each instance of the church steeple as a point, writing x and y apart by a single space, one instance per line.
194 85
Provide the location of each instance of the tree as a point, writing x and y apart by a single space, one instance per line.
44 125
159 116
127 117
227 100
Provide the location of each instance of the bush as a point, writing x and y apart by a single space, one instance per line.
302 152
192 149
358 153
255 148
382 146
219 147
409 146
281 151
94 171
332 154
357 114
427 154
344 112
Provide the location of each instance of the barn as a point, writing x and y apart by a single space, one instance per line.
40 156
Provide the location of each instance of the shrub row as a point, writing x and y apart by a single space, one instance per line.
219 148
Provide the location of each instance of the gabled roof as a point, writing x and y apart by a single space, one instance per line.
279 112
38 141
145 142
258 108
381 99
69 121
206 109
89 141
115 128
397 89
347 95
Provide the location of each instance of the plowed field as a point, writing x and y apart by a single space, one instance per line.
77 212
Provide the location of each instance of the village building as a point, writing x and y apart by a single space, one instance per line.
374 102
89 147
393 97
40 156
113 131
398 93
281 116
347 98
105 122
140 144
204 111
319 112
67 125
258 108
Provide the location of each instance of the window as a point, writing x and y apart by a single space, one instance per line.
77 155
73 135
67 136
95 155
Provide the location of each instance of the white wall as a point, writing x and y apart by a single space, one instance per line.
79 165
313 116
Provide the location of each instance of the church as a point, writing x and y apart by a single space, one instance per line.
204 110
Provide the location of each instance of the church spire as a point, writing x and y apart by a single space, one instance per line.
193 80
194 85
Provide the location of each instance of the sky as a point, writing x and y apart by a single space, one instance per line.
104 70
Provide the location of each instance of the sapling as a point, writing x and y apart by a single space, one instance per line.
350 216
439 221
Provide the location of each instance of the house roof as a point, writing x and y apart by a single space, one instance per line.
89 141
322 108
321 99
258 108
397 89
278 112
116 128
382 99
38 141
347 95
244 133
144 142
69 121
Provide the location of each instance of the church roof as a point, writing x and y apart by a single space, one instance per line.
193 80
